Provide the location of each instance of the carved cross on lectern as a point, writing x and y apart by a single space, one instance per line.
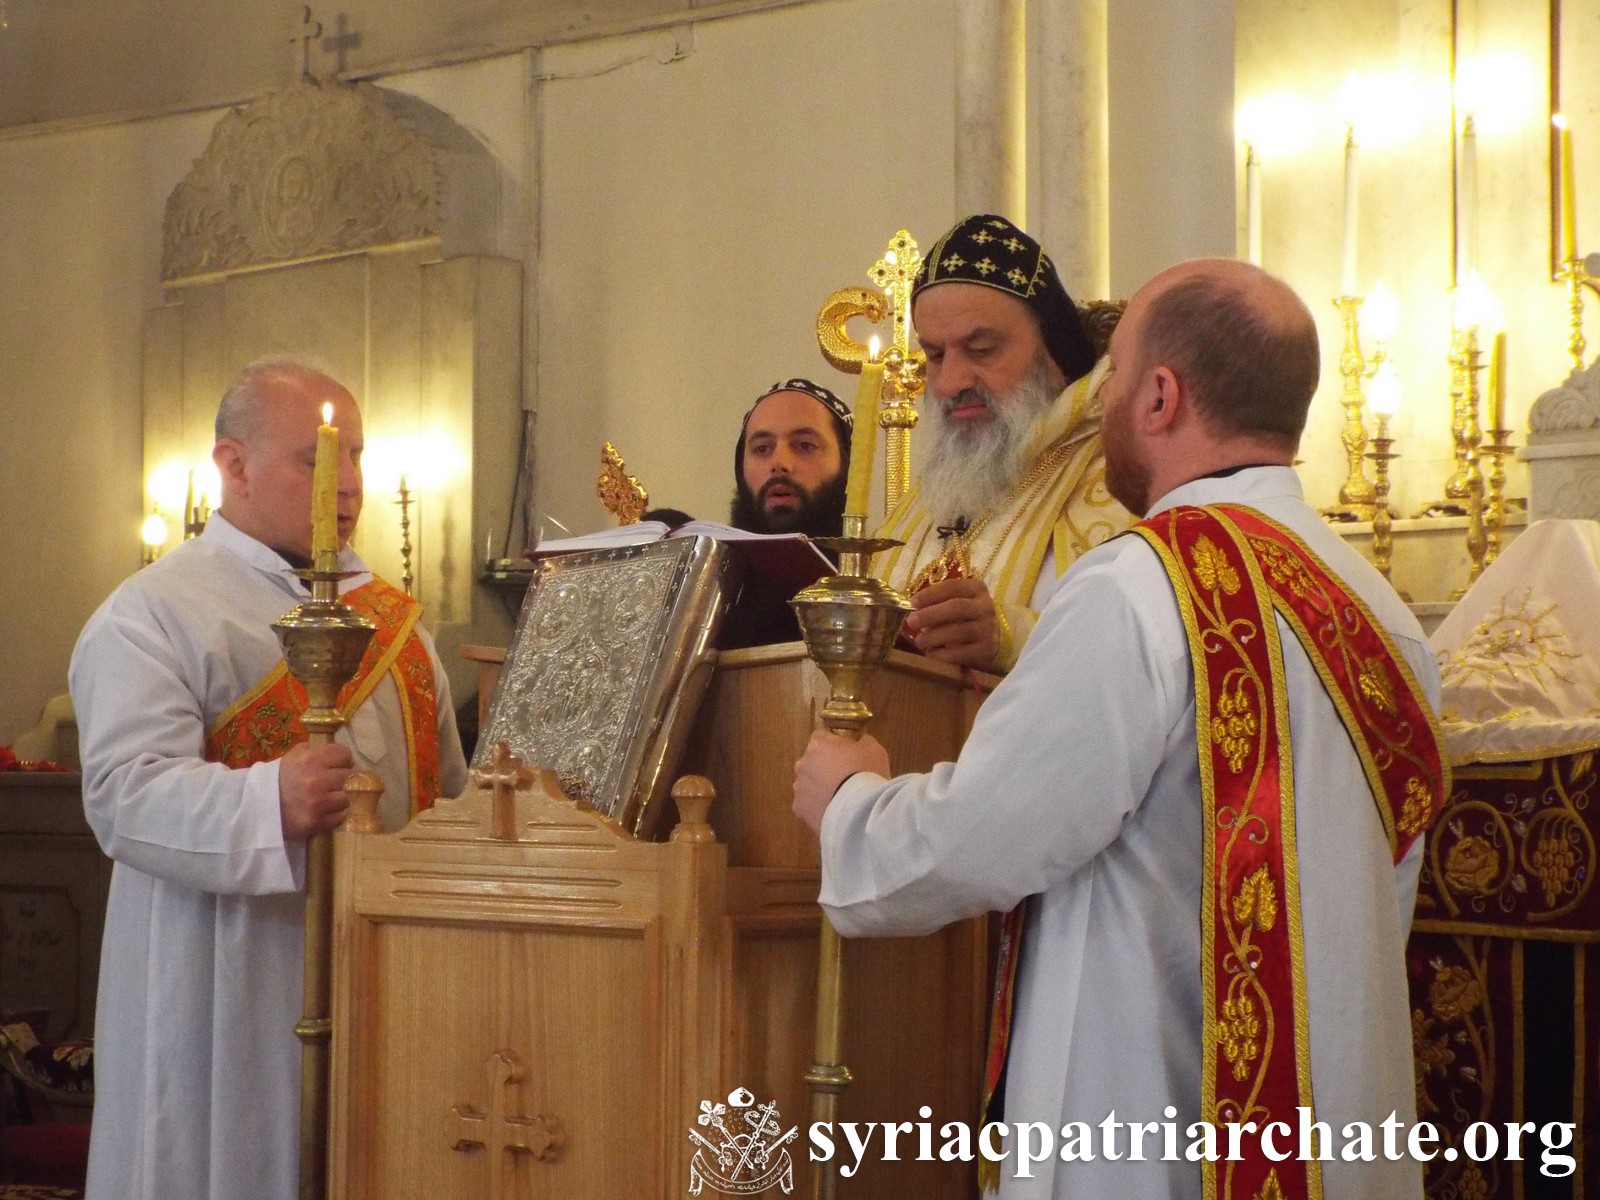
497 1131
505 776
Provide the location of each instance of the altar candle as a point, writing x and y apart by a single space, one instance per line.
1351 179
1497 382
1467 200
325 489
864 434
1569 203
1252 205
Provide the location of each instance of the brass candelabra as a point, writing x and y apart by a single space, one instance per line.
1357 495
323 642
850 622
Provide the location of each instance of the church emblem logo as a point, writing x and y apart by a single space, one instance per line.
739 1147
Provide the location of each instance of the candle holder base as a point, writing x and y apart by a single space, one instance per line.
1348 513
1440 508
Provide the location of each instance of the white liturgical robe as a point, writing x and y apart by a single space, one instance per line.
1079 786
197 1069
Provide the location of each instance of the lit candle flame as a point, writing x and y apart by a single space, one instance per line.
327 413
873 345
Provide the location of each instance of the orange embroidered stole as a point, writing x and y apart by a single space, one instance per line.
1231 568
264 723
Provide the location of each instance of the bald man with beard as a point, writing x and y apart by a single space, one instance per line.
1201 795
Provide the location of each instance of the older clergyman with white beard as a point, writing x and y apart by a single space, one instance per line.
1012 488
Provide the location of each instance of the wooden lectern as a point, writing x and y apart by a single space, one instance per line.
544 1014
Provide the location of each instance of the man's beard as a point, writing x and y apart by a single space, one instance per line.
970 465
1128 478
819 513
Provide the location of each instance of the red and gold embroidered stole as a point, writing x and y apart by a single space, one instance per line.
264 723
1231 568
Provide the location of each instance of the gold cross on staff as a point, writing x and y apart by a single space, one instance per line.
505 776
904 367
497 1130
894 274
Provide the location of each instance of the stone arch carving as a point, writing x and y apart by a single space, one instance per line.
322 169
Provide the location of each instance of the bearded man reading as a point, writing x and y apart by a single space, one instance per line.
1012 484
200 785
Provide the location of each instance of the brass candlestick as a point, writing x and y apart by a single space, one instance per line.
323 642
1356 496
1494 518
404 502
850 622
1382 455
195 515
1464 489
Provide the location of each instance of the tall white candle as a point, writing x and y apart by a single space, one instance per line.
1467 201
1347 284
1252 205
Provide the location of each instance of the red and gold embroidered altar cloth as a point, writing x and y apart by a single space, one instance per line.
264 723
1232 569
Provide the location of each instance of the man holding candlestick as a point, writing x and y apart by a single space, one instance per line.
199 784
1201 793
1012 487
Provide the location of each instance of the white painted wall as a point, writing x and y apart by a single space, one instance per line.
1171 100
80 248
696 213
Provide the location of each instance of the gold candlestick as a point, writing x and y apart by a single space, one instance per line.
1494 520
850 622
1465 432
1382 520
1467 482
1356 497
323 642
195 515
406 578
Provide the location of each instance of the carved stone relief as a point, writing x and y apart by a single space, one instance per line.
319 169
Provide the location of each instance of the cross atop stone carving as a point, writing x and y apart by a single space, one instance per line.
498 1131
310 31
341 42
505 776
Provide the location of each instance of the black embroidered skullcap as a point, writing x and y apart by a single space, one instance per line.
843 419
992 252
816 391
